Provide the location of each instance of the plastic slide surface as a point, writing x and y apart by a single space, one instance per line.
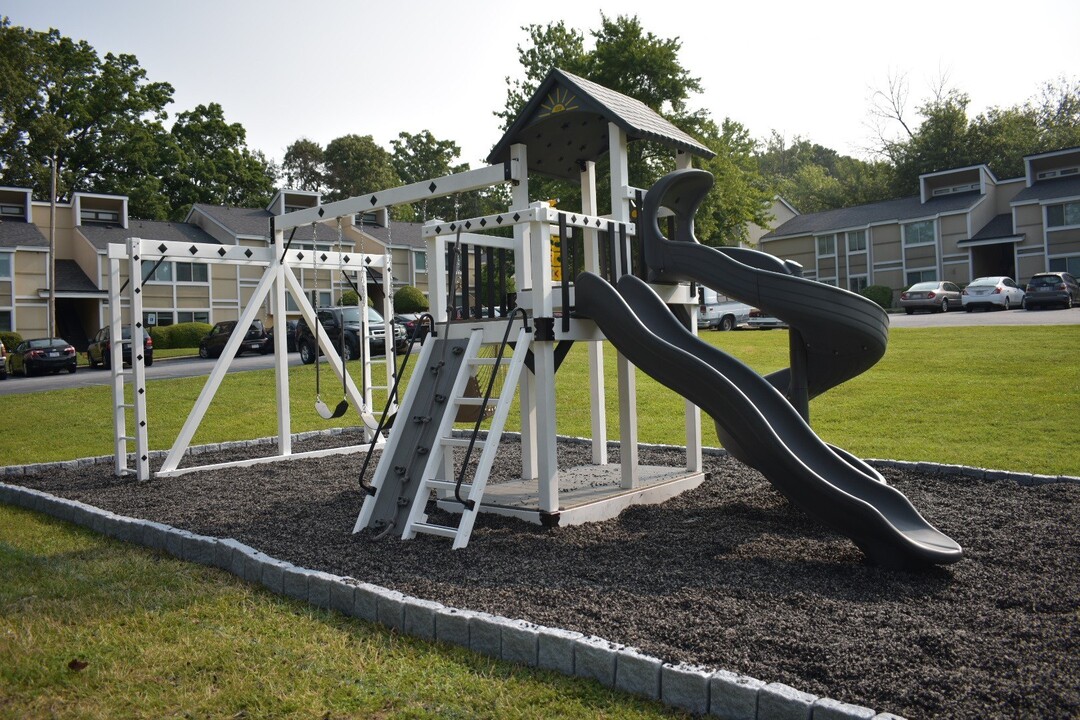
767 431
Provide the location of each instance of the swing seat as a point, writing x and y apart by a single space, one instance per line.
327 414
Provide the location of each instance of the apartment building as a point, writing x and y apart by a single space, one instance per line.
964 223
174 291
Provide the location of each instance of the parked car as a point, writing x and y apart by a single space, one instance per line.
764 321
934 296
409 321
990 292
720 312
3 361
97 352
291 327
255 340
345 320
40 355
1051 288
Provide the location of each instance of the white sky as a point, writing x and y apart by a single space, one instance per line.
324 69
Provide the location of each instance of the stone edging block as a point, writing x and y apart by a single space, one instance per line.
638 673
828 709
595 658
685 687
777 701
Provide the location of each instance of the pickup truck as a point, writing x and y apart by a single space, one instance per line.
334 319
720 312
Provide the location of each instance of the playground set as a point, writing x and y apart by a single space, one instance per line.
620 277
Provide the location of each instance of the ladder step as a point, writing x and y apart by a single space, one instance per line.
474 401
483 361
129 438
448 485
461 442
125 405
440 530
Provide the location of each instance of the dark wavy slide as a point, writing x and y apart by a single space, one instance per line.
763 428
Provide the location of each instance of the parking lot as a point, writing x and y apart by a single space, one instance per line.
958 318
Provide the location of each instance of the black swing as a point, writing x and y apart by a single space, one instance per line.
321 407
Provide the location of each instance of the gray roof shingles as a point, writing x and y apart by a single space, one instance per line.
1050 190
100 236
400 234
18 233
901 209
1000 227
71 279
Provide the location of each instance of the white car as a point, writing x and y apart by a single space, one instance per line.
721 312
763 321
990 292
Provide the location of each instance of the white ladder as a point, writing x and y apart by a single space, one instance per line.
441 459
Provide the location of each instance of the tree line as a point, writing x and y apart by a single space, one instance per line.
100 123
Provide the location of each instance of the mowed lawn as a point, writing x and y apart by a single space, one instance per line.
90 627
997 397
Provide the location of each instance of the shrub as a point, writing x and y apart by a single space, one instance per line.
10 338
409 300
161 335
880 294
187 335
350 297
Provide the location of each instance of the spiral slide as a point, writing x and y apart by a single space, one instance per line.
843 334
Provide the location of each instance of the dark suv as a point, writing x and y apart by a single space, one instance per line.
98 353
1052 288
347 317
256 339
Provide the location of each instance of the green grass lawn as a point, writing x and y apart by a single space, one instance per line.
1001 397
164 638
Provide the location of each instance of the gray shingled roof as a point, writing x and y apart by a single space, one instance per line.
255 222
1000 227
100 236
20 233
901 209
400 234
566 123
70 278
1050 190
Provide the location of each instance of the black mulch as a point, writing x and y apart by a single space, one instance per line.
728 576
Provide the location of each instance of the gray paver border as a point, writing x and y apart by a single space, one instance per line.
702 690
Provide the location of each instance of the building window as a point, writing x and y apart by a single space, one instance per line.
5 321
826 245
919 233
160 318
420 261
858 283
191 272
856 241
1063 215
917 276
89 215
186 316
5 266
1070 265
12 211
163 272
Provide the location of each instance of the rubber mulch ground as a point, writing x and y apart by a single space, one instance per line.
728 575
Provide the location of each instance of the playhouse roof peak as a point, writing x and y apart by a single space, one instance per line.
565 124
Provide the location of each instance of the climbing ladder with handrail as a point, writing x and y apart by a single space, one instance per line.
419 458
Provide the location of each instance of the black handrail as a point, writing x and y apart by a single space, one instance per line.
483 405
390 397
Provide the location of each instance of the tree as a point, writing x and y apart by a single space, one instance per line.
213 164
639 64
99 118
356 165
303 165
420 157
740 195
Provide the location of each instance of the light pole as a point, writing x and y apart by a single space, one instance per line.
51 323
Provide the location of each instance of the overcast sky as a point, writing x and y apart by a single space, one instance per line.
328 68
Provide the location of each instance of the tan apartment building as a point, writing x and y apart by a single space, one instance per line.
175 291
964 224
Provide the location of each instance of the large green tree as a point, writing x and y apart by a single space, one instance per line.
302 166
98 117
421 156
629 59
212 163
356 165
